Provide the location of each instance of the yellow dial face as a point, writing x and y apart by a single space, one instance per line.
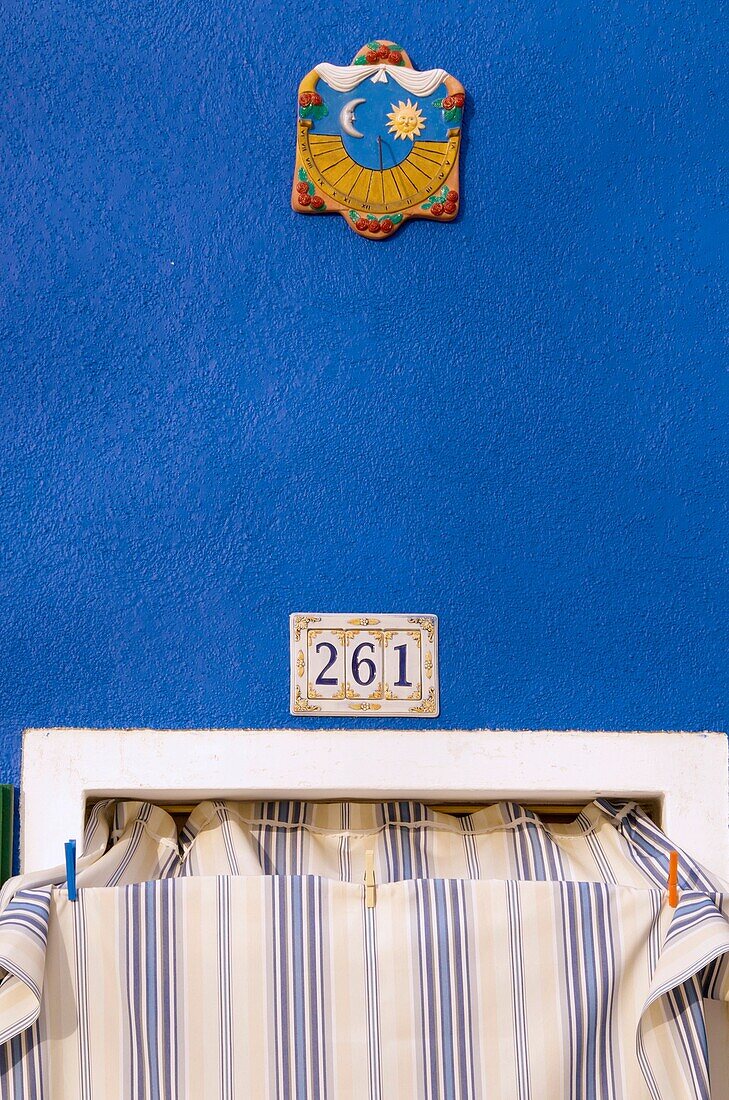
378 141
411 181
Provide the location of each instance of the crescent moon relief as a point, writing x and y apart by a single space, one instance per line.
346 117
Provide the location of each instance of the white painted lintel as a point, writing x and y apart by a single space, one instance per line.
62 768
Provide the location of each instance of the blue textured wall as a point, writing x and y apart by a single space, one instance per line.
215 411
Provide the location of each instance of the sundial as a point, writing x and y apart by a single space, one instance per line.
378 141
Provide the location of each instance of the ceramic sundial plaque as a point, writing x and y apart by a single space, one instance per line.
378 141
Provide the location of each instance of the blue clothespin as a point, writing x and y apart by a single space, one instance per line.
71 869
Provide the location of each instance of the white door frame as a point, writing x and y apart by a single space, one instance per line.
688 773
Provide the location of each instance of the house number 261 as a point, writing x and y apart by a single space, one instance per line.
357 663
364 663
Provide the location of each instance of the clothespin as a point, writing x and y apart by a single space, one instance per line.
71 870
673 879
369 878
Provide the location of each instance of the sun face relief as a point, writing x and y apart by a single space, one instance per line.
378 141
406 120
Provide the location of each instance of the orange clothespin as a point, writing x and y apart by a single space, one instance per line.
369 878
673 879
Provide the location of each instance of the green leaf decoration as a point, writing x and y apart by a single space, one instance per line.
373 45
396 219
372 218
361 60
438 197
454 115
302 175
315 111
437 102
312 189
354 215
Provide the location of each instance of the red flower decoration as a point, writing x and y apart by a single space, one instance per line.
305 200
372 57
374 227
459 99
383 52
452 196
305 99
449 207
437 209
448 103
363 224
302 187
394 57
386 225
316 99
317 202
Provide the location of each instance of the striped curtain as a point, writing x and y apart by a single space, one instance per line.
503 958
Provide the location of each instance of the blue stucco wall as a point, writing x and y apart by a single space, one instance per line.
215 412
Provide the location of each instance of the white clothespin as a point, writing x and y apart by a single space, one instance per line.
369 878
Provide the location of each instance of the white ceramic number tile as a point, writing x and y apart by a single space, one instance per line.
404 664
364 663
325 665
367 665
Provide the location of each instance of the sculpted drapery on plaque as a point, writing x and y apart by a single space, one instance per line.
378 141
